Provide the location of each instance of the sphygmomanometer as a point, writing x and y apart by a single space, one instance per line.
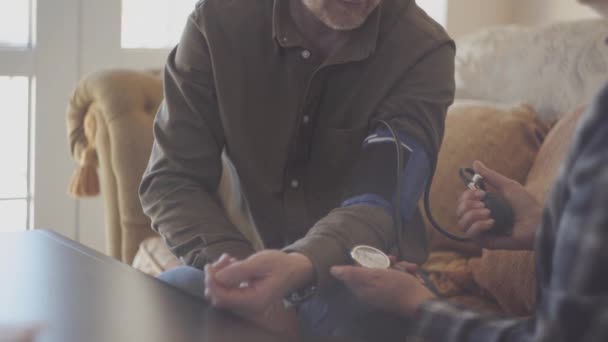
500 210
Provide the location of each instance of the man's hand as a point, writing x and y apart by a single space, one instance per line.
475 221
391 290
254 288
264 277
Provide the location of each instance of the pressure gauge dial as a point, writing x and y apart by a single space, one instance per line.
370 257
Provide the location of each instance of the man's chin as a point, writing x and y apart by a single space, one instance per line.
343 24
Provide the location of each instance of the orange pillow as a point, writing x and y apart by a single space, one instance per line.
551 155
506 139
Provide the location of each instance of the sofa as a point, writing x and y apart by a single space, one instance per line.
520 92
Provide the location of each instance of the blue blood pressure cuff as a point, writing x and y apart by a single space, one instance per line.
373 179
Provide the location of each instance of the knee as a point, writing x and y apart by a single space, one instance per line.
186 278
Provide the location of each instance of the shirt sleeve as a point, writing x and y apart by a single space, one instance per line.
416 106
179 186
440 321
571 252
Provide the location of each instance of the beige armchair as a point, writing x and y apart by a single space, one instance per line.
109 119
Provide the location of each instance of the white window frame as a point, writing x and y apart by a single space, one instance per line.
56 71
19 61
51 64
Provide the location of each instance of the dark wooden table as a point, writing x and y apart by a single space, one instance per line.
81 295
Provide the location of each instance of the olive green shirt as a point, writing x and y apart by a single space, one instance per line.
244 80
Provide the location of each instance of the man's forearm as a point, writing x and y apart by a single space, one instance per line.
178 190
191 222
329 242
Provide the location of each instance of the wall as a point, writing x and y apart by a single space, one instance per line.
542 12
467 16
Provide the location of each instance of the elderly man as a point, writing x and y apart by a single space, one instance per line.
299 94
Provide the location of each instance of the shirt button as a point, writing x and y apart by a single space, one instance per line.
305 54
306 119
295 183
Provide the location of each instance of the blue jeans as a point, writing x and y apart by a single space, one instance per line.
341 314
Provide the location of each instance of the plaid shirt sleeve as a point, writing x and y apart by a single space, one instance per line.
572 257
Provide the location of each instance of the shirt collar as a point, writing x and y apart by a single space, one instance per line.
284 30
360 46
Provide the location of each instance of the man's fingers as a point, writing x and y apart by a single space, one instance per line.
222 262
355 278
221 297
209 277
492 177
353 275
341 272
494 242
405 266
209 273
229 298
480 227
472 195
468 205
471 217
344 273
239 272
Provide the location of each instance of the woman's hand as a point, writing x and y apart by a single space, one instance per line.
475 221
391 290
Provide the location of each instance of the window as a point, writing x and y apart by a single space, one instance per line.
437 9
14 23
153 24
14 147
15 40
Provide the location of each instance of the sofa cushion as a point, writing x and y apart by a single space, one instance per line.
506 139
554 68
509 276
549 159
